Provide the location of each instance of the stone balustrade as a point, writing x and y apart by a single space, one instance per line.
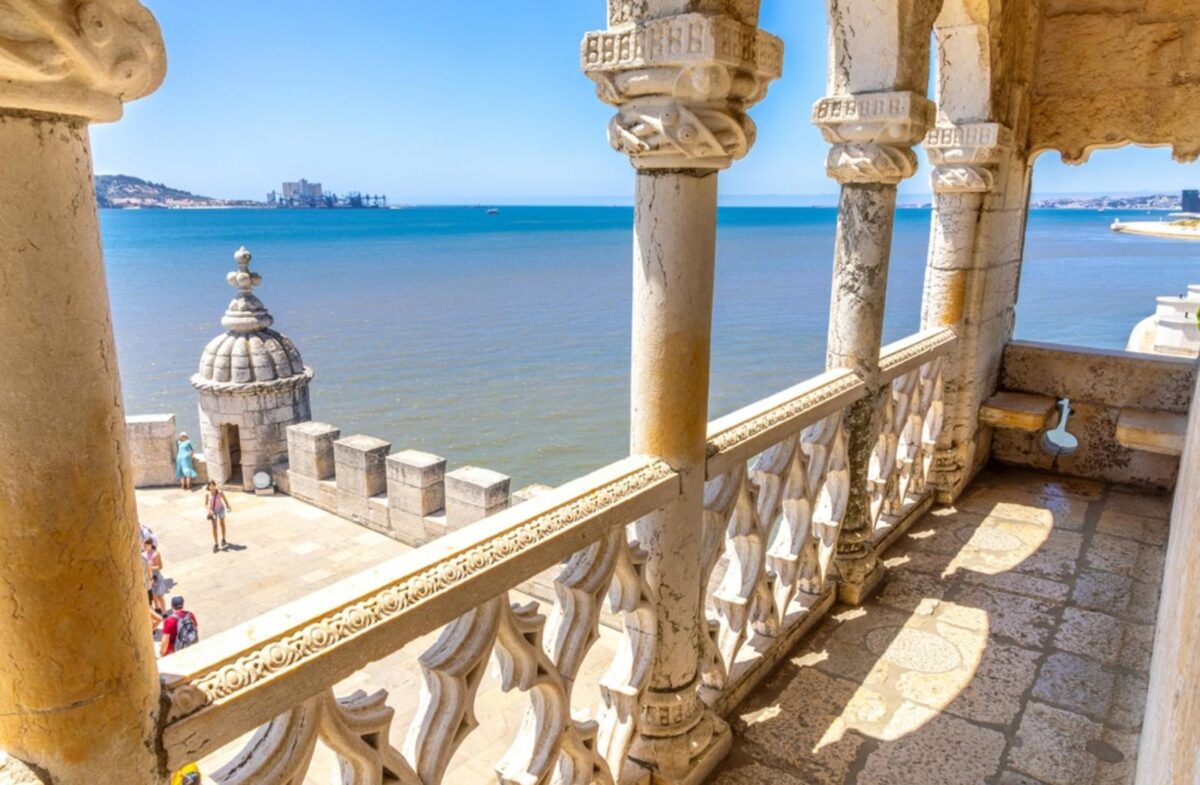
776 486
910 415
279 669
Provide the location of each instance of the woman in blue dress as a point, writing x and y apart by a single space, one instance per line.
184 472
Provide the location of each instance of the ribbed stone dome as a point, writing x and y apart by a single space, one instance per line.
249 352
245 358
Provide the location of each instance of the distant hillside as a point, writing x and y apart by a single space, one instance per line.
121 190
1147 202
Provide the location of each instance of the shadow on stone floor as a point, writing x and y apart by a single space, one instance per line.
1008 646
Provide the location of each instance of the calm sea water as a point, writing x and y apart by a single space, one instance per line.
503 341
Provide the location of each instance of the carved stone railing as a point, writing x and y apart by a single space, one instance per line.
909 420
777 483
276 672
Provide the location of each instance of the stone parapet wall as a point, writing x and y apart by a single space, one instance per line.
407 495
152 450
1099 384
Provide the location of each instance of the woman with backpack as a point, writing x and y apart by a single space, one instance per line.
179 630
216 506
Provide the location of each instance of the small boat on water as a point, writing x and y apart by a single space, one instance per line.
493 211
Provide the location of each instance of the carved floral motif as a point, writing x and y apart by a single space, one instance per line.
390 601
78 57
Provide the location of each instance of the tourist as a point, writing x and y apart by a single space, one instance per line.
148 534
180 629
216 506
188 775
157 586
184 471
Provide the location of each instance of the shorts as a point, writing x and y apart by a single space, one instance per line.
218 515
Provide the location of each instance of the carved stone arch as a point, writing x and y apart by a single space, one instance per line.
1113 74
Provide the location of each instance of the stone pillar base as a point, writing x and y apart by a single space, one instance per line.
707 744
858 577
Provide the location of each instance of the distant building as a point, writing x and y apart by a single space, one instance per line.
302 193
1191 201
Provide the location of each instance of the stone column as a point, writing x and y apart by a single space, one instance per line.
965 159
872 135
682 83
78 683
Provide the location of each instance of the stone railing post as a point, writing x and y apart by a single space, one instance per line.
79 691
682 82
872 135
965 158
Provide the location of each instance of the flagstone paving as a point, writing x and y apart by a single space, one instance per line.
1009 646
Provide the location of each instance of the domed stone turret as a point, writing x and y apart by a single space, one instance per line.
252 386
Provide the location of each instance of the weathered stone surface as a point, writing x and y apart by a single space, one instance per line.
473 493
310 449
1099 385
1158 432
1020 411
151 449
1116 71
361 474
83 706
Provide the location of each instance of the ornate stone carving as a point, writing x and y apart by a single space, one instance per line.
870 163
275 655
355 728
963 179
872 134
779 519
728 438
78 57
963 156
682 84
910 420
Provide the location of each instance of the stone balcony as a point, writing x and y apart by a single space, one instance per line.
1009 644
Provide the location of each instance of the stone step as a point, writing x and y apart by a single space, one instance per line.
1158 432
1019 411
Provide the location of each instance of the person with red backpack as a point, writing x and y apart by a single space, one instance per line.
179 629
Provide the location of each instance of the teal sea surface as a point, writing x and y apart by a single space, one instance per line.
503 340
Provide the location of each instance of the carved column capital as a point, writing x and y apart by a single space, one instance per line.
964 156
682 85
78 57
872 135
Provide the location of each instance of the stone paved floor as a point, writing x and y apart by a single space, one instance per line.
283 549
1009 646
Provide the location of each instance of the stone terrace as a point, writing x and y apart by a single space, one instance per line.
1010 646
283 549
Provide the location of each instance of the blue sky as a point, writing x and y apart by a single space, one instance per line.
460 101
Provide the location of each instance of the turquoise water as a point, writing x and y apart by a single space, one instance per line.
503 341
